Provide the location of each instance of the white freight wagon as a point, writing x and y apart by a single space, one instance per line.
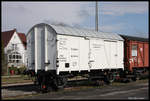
66 50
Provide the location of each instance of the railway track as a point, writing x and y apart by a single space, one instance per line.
23 89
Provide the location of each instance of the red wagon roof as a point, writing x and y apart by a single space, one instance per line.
135 38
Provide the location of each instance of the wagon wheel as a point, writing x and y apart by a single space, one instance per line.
133 78
111 78
62 81
138 77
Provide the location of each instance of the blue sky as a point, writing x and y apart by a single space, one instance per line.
130 18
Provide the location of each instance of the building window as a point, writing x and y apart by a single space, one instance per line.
14 46
18 61
15 57
10 57
134 50
19 57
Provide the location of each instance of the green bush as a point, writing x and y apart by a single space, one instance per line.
21 70
17 70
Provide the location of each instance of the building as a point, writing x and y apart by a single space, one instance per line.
15 47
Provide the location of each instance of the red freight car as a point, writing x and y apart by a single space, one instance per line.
136 53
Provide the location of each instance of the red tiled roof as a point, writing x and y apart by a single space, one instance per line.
23 38
6 36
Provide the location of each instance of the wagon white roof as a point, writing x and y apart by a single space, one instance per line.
81 32
85 32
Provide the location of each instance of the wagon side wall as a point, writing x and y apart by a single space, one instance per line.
138 58
146 54
85 54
